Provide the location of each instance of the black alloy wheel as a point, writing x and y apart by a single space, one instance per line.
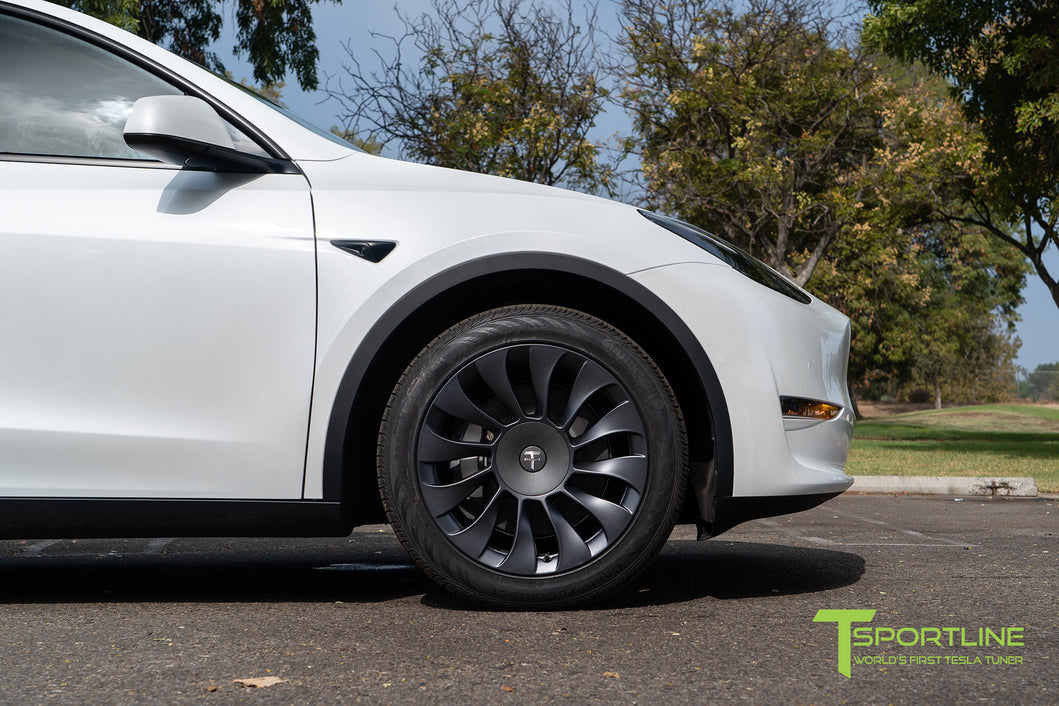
532 456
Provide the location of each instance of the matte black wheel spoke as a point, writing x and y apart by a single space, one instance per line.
629 469
542 362
435 449
612 517
572 549
522 558
493 369
453 401
443 498
551 499
590 379
623 418
473 539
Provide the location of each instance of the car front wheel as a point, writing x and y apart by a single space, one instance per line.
532 456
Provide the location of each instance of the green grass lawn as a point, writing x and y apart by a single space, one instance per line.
984 440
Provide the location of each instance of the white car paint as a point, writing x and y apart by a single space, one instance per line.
763 354
121 394
156 342
457 217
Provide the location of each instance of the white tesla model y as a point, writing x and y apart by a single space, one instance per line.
216 320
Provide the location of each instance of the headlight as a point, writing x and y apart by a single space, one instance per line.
733 256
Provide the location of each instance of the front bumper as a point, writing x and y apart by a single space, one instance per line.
764 345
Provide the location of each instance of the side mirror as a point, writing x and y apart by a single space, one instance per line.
186 131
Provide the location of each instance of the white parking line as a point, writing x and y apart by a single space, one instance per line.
795 534
911 533
36 549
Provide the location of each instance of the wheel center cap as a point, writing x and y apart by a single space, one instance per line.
533 458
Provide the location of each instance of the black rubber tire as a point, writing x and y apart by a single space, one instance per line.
663 440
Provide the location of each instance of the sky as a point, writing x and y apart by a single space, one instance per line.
354 21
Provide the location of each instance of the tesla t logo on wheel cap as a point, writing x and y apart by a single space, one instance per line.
533 458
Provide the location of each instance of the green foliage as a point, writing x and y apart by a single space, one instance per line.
120 13
763 122
276 36
1000 58
1044 382
507 88
929 306
932 301
961 310
755 120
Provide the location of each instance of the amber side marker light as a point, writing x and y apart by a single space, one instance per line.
801 408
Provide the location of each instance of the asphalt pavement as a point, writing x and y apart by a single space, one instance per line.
727 620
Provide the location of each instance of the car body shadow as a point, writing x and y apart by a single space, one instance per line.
685 570
688 570
726 570
242 571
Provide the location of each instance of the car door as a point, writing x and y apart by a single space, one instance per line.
156 324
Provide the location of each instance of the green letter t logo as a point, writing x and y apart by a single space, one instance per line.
845 620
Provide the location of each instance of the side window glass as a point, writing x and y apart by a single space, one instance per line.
62 96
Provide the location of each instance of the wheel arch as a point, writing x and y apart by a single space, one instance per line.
455 294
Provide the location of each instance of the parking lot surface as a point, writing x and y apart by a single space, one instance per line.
731 619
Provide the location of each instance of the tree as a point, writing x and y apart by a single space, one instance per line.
958 328
766 123
756 120
931 301
120 13
1044 382
276 36
929 306
506 87
1000 59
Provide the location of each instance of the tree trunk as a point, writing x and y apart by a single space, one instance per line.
853 398
937 395
1037 260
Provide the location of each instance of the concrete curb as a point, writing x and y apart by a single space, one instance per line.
945 485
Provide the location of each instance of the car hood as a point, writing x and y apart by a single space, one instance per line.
433 209
365 171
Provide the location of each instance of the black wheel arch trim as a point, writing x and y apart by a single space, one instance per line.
710 481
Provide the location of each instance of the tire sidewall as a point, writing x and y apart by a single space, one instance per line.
447 354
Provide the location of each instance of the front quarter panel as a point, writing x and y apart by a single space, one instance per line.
441 220
762 345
